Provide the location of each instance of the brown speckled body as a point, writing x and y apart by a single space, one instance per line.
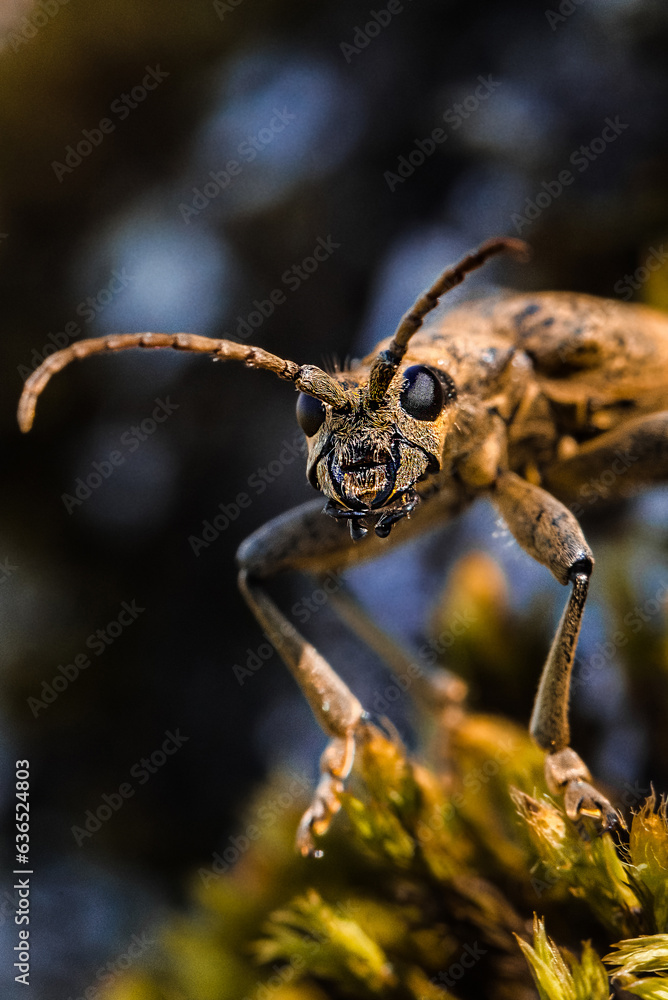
541 375
543 404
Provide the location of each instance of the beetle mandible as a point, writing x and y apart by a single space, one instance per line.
521 398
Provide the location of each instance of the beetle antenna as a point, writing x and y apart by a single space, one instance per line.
388 361
307 378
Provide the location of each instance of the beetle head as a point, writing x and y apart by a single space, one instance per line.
370 443
367 457
370 439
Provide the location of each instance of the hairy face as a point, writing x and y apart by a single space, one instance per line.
367 460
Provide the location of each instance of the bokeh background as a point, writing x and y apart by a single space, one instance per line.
112 227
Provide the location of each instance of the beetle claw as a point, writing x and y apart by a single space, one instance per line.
567 774
335 764
319 815
582 801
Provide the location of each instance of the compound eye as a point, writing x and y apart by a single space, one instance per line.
310 414
422 396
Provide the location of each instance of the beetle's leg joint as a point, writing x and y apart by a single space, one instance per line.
567 774
583 567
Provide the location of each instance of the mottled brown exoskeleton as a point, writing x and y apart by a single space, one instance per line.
518 398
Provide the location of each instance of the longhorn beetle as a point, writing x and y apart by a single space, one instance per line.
521 398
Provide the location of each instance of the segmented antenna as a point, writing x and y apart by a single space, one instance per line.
387 362
308 378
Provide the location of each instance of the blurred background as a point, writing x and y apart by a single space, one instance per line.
168 166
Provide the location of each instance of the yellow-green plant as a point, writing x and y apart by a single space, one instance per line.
450 876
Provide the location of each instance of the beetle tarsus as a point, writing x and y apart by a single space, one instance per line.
335 766
567 774
582 801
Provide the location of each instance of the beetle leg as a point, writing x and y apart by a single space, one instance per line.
613 465
304 539
550 533
335 764
334 705
434 688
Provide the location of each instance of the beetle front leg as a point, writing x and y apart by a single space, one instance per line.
435 688
551 534
334 705
565 771
303 539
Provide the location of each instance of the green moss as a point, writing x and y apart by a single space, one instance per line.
452 876
558 973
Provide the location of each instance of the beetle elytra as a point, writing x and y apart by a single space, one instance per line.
520 398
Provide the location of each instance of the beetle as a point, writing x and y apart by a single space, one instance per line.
520 398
